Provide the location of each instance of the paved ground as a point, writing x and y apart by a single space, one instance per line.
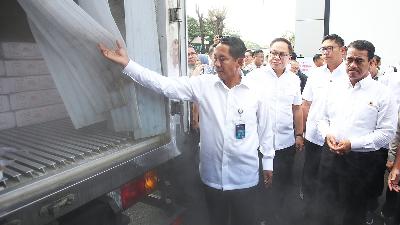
191 197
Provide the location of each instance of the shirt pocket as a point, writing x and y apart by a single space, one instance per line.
319 90
367 115
286 96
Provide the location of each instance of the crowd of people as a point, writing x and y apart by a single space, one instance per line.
253 116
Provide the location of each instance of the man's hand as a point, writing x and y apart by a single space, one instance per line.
393 180
267 175
299 143
343 147
389 165
117 55
198 70
331 141
340 148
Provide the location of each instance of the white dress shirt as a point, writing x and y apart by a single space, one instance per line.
226 163
282 92
392 81
318 84
364 114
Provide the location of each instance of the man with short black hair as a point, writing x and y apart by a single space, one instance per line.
248 64
358 119
258 58
319 81
318 60
283 92
234 122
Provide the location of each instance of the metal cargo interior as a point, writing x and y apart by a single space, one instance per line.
42 148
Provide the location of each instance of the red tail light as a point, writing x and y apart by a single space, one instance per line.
177 221
134 190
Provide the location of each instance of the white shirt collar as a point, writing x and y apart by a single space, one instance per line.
243 82
363 83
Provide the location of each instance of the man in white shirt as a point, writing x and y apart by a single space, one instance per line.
359 118
258 58
234 121
319 81
318 60
248 64
283 92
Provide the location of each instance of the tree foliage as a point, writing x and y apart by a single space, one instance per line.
208 27
193 28
216 18
289 35
252 45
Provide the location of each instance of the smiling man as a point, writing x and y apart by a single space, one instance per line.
283 91
234 122
359 118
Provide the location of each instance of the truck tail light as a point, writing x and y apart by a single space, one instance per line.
177 221
134 190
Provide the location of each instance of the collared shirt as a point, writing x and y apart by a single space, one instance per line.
319 82
248 68
364 114
282 93
225 162
392 81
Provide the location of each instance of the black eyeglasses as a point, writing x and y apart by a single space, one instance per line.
281 55
328 48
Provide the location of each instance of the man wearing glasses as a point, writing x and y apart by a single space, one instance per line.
283 93
234 122
318 83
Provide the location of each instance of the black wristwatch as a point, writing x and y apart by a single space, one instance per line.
300 135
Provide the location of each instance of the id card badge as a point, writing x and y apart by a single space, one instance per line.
240 127
240 131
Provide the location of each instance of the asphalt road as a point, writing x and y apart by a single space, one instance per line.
191 197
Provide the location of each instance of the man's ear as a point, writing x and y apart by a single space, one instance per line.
240 61
371 63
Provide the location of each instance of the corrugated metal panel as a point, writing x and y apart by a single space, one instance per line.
144 48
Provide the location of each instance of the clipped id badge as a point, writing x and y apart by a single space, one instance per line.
240 131
240 127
